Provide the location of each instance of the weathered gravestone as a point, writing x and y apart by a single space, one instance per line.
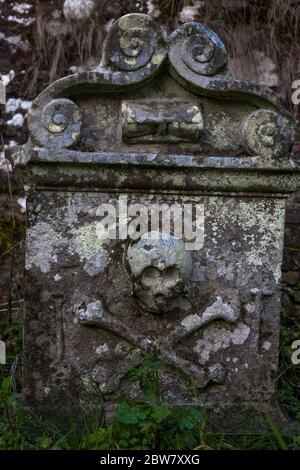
161 124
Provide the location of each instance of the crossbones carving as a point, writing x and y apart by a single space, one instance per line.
93 315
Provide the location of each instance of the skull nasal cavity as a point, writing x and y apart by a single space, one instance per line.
171 276
150 275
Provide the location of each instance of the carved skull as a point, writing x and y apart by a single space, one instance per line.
159 266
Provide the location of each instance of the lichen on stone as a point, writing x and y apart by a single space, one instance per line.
88 242
42 241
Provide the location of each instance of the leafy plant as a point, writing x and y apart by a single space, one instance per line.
150 423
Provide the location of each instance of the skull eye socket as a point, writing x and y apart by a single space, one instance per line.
171 276
149 276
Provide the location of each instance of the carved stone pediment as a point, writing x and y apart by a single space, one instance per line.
160 100
137 52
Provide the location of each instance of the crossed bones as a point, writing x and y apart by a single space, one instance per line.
93 315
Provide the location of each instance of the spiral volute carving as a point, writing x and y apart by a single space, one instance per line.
194 47
267 133
133 42
58 125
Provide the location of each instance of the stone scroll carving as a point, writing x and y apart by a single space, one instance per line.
135 51
198 59
267 133
60 124
134 42
194 48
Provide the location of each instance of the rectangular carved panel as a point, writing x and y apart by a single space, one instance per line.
161 121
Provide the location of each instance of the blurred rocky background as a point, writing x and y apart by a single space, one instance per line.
43 40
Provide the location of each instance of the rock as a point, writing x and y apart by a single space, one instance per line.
129 155
78 9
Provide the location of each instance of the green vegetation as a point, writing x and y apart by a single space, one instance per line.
289 374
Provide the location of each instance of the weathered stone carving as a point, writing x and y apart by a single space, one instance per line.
268 133
135 41
60 124
198 58
196 48
94 315
159 121
160 266
135 50
138 131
